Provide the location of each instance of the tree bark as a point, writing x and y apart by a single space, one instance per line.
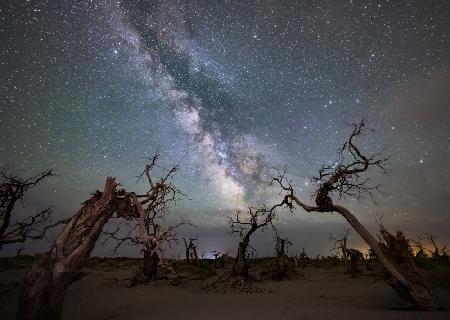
45 285
395 257
281 259
240 265
150 264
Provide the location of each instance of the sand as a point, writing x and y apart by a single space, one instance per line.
325 294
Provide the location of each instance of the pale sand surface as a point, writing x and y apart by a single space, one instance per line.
325 294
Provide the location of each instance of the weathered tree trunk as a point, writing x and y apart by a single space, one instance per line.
281 259
396 258
150 264
187 254
240 266
45 285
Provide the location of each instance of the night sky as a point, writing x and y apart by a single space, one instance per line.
229 91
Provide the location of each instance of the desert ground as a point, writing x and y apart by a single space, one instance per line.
112 289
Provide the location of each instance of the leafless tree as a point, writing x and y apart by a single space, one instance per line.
346 178
191 249
282 262
303 256
419 248
12 191
341 245
247 223
45 285
436 252
155 203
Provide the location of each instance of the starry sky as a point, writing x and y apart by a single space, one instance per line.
229 91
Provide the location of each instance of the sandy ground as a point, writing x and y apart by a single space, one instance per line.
325 294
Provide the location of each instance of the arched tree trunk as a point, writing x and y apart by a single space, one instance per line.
344 178
44 289
397 260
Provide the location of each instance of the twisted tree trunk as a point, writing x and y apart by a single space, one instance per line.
396 258
44 289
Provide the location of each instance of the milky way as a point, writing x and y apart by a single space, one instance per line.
229 90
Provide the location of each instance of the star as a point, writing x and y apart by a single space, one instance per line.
228 91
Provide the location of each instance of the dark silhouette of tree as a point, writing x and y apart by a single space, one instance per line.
246 224
436 253
340 244
283 266
12 191
346 178
191 249
419 251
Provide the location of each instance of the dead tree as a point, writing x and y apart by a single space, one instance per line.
155 203
341 244
152 243
216 254
194 255
436 252
191 250
303 257
45 285
300 261
247 223
355 256
282 270
12 190
345 178
161 193
419 252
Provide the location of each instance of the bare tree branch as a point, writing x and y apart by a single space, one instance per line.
12 190
345 178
